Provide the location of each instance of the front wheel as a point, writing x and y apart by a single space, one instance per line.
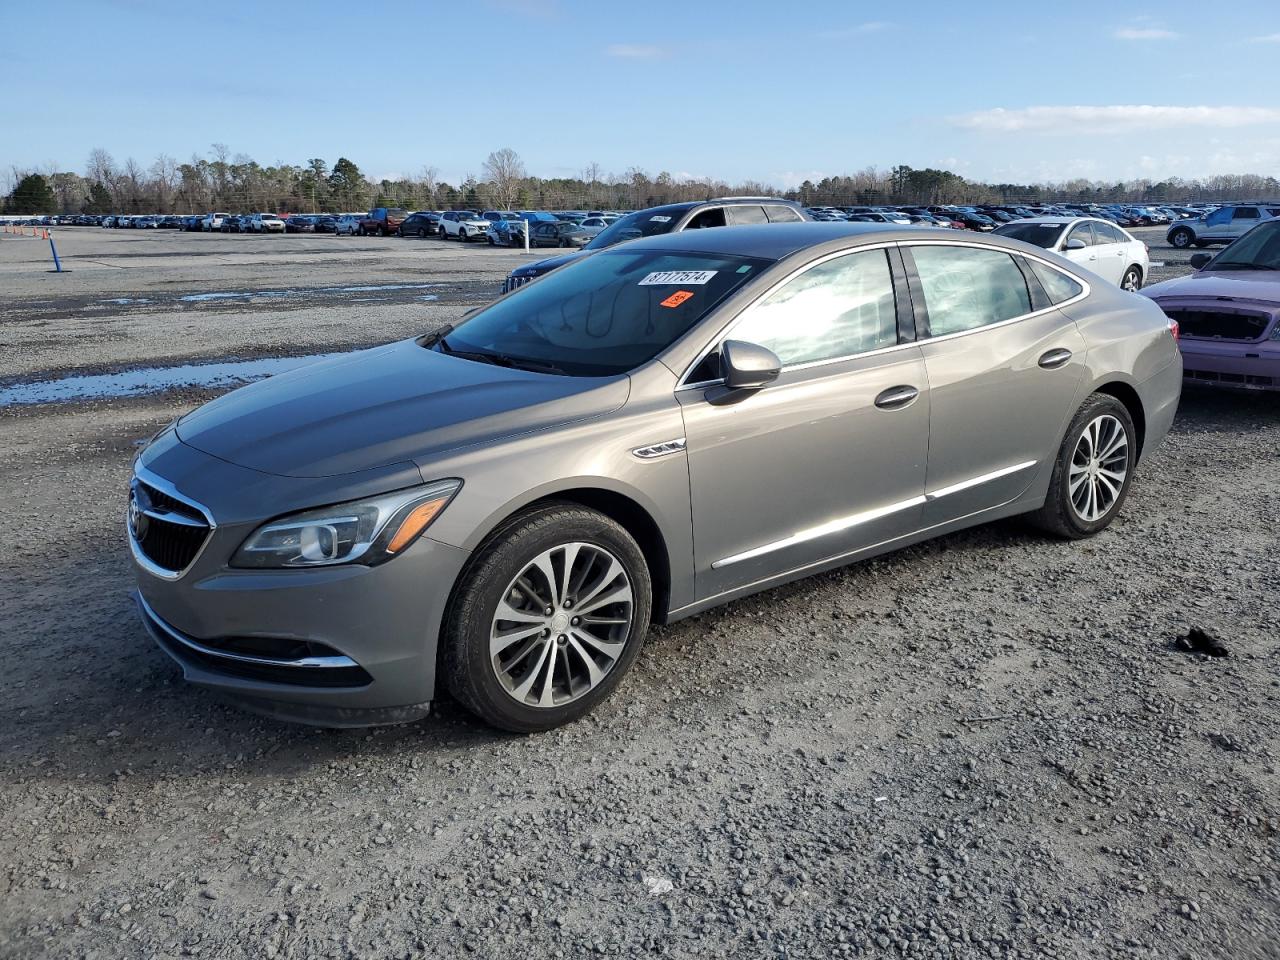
1132 279
1181 238
1094 469
549 616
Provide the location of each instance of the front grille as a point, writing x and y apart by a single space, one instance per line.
172 531
1220 324
512 282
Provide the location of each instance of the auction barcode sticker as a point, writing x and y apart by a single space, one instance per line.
681 277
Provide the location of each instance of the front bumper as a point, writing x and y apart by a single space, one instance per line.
1238 364
345 645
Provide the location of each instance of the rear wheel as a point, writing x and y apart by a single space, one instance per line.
1182 238
1094 469
422 233
1132 279
548 618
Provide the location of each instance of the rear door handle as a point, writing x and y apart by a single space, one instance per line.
1055 358
895 398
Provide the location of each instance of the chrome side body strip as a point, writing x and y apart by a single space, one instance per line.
866 516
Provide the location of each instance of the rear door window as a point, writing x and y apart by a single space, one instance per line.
966 288
747 213
1106 233
1245 213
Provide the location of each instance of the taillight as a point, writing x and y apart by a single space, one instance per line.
1173 328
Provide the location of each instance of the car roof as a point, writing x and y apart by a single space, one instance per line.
775 240
1053 220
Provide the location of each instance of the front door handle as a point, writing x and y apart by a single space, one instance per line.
1055 358
895 398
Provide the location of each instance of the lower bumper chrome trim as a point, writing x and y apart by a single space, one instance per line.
154 621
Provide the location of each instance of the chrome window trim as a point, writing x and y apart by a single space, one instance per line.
1085 291
841 524
167 488
725 331
190 643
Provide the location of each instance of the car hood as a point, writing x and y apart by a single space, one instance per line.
551 263
386 405
1252 285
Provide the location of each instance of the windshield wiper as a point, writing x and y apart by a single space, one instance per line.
501 359
435 336
1241 265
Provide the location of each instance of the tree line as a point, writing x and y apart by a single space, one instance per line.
239 184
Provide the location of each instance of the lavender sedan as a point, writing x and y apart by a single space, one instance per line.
1228 312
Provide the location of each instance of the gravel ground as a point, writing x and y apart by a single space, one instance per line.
983 746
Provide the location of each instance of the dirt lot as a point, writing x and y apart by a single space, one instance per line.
984 746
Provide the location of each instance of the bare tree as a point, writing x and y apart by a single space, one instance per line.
505 171
430 181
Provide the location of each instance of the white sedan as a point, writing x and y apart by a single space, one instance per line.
1097 245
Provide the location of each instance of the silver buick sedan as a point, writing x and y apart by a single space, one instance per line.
501 508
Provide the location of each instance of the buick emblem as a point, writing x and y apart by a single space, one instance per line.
139 503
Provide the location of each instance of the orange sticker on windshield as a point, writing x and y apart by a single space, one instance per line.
677 298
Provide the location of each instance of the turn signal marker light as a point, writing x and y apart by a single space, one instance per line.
414 523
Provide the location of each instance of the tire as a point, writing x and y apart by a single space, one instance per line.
1132 279
499 692
462 234
442 233
1062 514
422 233
382 231
1182 238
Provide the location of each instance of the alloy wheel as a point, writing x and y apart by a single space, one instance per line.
561 625
1131 280
1099 468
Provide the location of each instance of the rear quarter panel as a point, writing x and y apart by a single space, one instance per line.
1127 341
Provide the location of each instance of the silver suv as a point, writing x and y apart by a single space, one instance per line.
1221 226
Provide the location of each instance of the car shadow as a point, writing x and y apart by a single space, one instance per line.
1205 409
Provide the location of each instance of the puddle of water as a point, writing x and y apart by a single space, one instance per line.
132 383
197 297
372 299
386 286
430 296
127 300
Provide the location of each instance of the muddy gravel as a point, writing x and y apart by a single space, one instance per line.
989 745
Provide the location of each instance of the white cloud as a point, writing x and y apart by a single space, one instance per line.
1144 33
635 51
1111 119
857 30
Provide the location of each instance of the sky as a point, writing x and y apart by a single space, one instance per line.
738 90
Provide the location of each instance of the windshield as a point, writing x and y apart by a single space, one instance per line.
604 315
1041 234
643 223
1259 249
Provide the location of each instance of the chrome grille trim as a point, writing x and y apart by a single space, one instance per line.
165 514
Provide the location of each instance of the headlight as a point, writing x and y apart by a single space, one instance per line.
363 531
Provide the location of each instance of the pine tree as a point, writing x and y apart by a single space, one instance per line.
31 195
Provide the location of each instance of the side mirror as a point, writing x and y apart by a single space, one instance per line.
1200 260
748 366
1074 244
